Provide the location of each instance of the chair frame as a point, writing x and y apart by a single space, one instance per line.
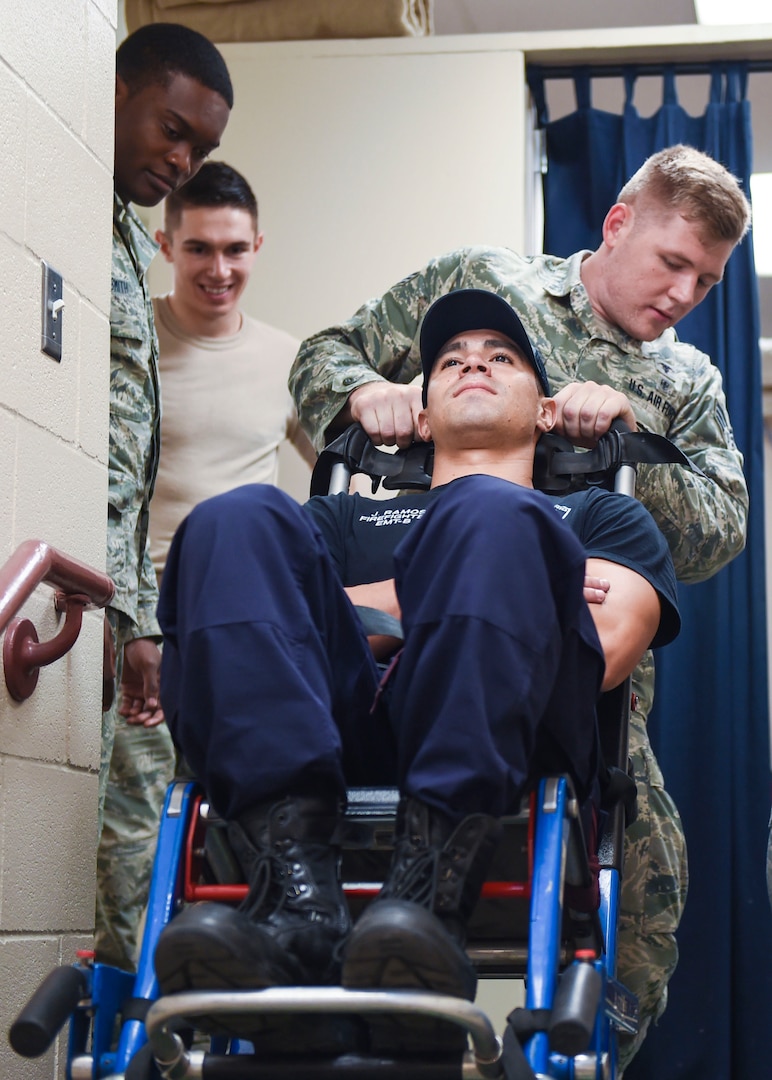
92 995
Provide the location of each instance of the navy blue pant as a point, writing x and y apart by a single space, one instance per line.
267 680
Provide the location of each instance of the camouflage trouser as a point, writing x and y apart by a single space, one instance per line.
137 765
110 716
654 890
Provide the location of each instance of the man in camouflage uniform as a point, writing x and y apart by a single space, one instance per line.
603 323
172 102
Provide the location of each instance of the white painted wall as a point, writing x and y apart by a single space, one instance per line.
56 117
376 159
373 164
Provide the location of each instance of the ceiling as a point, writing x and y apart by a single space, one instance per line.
521 16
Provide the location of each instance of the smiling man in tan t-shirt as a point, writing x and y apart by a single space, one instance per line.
226 406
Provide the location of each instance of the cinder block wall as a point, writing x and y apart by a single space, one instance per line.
56 130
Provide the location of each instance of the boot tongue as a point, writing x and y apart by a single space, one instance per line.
441 864
273 838
423 825
310 820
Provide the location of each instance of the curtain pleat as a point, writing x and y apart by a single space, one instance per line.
709 726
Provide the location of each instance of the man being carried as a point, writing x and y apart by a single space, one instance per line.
603 321
268 680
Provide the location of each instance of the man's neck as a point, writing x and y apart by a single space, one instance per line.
516 467
590 273
198 325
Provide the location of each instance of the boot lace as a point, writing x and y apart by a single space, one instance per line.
418 879
267 894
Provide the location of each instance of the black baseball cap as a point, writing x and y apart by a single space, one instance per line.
474 309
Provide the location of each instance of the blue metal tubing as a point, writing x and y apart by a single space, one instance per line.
609 913
605 1032
545 918
110 988
165 889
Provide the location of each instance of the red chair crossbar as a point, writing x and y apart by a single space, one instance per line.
194 891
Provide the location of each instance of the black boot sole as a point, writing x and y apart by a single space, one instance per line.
214 947
398 945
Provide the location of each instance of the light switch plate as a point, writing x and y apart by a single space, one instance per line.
53 313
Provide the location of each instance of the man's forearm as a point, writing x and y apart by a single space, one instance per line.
378 343
381 595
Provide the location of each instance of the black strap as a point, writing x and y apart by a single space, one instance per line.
135 1008
527 1022
513 1059
558 468
409 468
618 786
521 1025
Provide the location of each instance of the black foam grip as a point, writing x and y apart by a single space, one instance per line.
41 1019
574 1010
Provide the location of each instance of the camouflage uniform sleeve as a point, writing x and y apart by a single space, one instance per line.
147 600
703 519
380 342
134 419
130 435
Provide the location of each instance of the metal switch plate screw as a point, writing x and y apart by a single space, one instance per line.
53 313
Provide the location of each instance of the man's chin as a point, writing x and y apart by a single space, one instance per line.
653 327
150 190
217 305
143 196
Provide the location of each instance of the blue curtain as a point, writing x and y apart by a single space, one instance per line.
709 727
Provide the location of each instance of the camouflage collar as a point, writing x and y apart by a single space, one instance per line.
141 245
560 276
563 278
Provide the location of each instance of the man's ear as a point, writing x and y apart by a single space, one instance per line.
548 414
618 221
122 94
258 242
422 426
165 243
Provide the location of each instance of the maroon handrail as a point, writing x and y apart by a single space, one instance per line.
35 563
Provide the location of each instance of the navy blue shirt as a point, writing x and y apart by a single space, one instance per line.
362 534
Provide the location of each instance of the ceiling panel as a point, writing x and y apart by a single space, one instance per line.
521 16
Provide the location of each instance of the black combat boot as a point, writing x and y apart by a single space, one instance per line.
413 935
290 928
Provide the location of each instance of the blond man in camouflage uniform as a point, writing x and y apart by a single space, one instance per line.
172 102
603 323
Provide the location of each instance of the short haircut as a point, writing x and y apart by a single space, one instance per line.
695 185
158 52
215 184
